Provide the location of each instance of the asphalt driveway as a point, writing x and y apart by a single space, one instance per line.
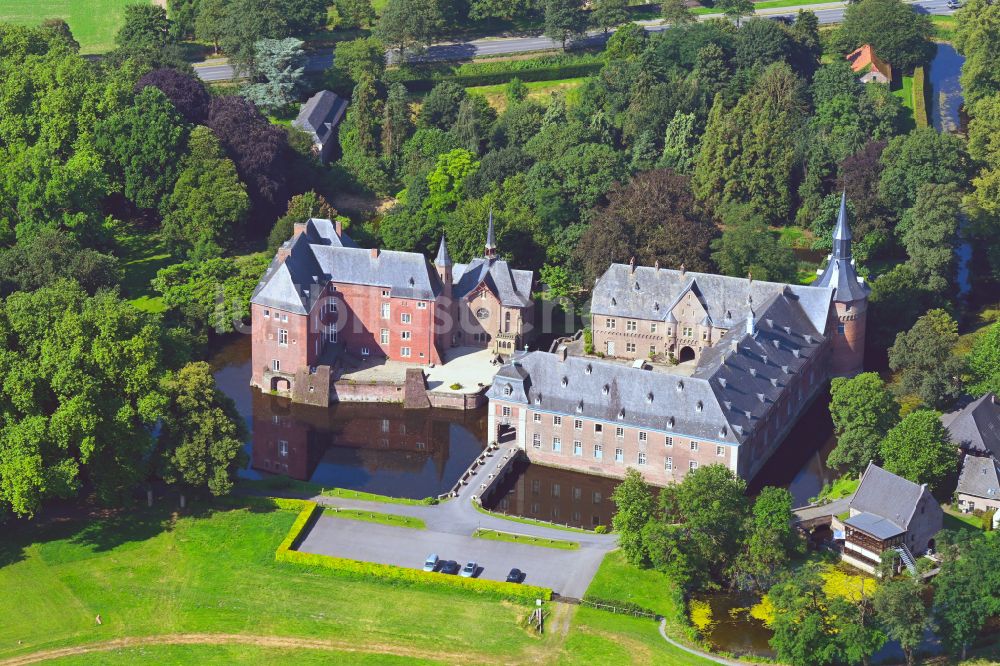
567 572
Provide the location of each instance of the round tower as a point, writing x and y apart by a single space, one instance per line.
848 317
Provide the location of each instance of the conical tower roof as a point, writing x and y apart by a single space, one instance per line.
443 257
840 273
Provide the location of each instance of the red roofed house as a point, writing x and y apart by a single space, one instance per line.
870 66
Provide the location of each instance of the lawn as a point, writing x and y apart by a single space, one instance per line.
905 95
526 521
93 22
495 535
142 255
841 488
233 654
766 4
962 522
944 27
538 91
371 517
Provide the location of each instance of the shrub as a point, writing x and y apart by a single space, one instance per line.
456 387
308 510
588 341
353 569
624 607
601 529
919 97
490 72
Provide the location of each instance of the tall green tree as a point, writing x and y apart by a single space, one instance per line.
924 357
977 30
279 65
680 144
967 590
355 13
397 126
676 12
863 412
984 362
564 19
364 56
142 143
242 23
736 9
919 449
920 157
901 612
42 258
210 24
608 14
145 30
408 24
899 35
634 507
301 207
747 246
930 235
769 540
209 204
201 436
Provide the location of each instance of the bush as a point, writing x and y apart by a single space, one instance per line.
625 607
919 93
491 72
353 569
601 529
588 341
456 387
306 514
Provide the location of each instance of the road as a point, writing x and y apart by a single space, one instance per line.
493 46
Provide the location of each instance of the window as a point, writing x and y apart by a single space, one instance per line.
597 497
536 441
284 317
642 436
598 452
405 335
384 337
365 351
688 332
619 455
577 493
577 424
652 350
630 347
556 420
404 352
840 329
704 335
598 428
720 451
385 311
668 464
386 425
693 465
505 411
283 337
694 445
536 417
267 314
577 449
331 333
421 305
405 317
331 305
669 441
642 457
620 432
556 490
609 324
630 325
652 327
283 448
557 445
276 365
385 292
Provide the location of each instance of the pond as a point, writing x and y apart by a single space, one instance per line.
945 88
376 448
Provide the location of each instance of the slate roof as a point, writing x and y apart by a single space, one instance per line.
320 115
318 256
512 286
888 496
650 293
736 382
976 428
878 526
840 273
980 477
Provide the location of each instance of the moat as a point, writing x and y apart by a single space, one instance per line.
385 449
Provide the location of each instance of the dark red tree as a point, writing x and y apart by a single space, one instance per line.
187 94
859 176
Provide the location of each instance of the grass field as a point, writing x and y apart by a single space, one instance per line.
93 22
538 91
494 535
526 521
205 588
944 27
142 255
370 517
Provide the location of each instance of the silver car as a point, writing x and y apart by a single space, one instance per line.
469 570
431 563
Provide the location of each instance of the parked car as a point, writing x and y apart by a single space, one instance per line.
449 567
469 570
954 4
515 576
431 563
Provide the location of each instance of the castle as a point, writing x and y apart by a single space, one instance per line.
752 355
322 295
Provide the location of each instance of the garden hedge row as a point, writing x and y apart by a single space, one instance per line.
385 572
418 78
919 93
625 607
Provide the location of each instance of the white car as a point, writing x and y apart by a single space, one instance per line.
431 563
469 570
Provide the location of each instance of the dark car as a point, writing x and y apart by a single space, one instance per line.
515 576
449 567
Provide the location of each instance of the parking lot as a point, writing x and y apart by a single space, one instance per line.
567 572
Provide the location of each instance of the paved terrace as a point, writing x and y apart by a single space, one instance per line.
450 526
467 366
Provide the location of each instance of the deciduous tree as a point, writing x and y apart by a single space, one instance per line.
360 57
924 357
634 506
186 93
930 235
608 14
919 449
747 246
564 19
901 612
984 362
899 35
863 412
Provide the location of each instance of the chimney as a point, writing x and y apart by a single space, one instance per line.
298 229
631 265
373 253
561 352
656 265
683 270
338 226
283 251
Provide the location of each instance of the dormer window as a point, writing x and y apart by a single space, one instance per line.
589 369
579 407
699 407
614 301
636 286
680 385
670 422
649 398
753 372
621 413
565 382
723 431
605 389
538 399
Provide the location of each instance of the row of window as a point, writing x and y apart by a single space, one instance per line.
536 442
278 316
631 326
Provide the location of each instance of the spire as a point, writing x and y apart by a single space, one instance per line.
842 232
491 239
443 258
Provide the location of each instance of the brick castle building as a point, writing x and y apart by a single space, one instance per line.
323 295
753 355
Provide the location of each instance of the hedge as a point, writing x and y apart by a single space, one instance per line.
919 97
309 510
391 574
419 78
624 607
